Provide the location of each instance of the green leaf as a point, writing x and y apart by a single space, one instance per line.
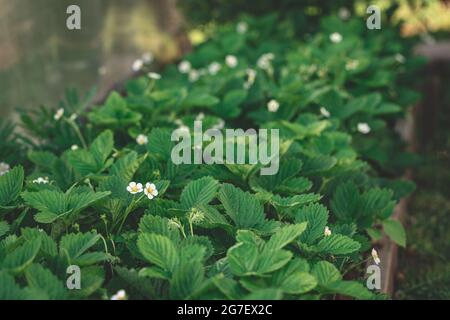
102 147
350 288
326 273
4 228
186 279
230 106
43 159
265 294
284 236
158 250
316 217
200 99
10 185
394 229
43 280
9 290
242 207
199 192
345 201
73 245
337 244
22 257
126 166
160 144
298 283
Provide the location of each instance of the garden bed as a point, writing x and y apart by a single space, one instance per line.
99 188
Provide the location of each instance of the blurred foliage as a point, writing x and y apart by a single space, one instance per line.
424 267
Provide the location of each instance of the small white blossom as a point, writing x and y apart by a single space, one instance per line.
335 37
324 112
134 188
150 190
41 180
73 117
154 75
194 75
242 27
137 65
141 139
327 232
74 147
59 114
400 58
351 65
4 168
363 128
265 61
273 105
231 61
251 76
147 57
214 68
120 295
184 66
375 257
344 13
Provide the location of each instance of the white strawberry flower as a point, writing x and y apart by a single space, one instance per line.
327 232
344 13
4 168
147 57
400 58
134 188
150 190
273 105
74 147
137 65
335 37
251 76
324 112
351 65
59 114
194 75
214 68
363 128
264 62
231 61
242 27
375 257
154 75
120 295
141 139
41 180
184 66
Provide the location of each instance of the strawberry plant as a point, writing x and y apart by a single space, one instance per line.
99 190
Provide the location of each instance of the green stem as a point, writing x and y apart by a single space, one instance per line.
77 132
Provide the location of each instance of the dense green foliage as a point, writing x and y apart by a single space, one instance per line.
217 231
